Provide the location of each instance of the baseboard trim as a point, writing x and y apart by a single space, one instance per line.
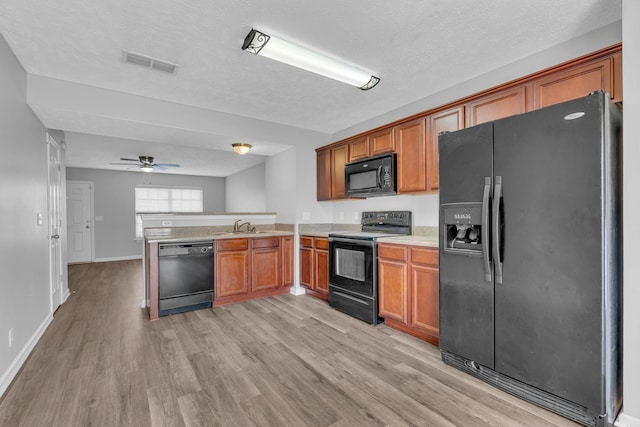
625 420
9 374
118 258
65 297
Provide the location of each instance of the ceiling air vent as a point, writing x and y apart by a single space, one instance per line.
149 62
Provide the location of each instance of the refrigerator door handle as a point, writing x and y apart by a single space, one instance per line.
485 228
497 195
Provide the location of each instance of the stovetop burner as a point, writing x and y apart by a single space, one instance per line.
380 224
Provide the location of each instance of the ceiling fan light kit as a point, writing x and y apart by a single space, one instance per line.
289 53
146 164
241 148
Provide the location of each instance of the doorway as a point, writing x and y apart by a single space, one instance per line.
56 273
79 221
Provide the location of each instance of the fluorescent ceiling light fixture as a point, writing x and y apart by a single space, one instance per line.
281 50
241 149
146 168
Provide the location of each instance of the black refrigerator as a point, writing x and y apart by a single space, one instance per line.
530 256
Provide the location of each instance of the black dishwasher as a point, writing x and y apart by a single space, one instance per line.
185 277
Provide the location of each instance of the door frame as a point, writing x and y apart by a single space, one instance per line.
91 217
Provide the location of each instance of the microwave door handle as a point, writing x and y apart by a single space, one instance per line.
379 177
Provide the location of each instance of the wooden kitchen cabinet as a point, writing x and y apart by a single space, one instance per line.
339 156
358 148
393 272
231 268
408 289
412 156
443 121
265 264
323 174
382 141
314 265
497 105
576 82
249 268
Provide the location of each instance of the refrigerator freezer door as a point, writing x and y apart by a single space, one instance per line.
466 297
548 316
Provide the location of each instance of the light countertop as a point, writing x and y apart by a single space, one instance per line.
193 234
412 240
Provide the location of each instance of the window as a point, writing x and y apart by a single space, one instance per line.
158 199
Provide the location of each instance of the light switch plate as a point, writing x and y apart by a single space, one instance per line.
39 219
306 216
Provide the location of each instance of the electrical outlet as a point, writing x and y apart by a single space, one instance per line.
10 337
166 223
355 215
341 215
306 216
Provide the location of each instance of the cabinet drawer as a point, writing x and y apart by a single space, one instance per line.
232 244
322 243
267 242
392 252
424 256
306 242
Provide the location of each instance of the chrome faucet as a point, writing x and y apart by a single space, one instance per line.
237 227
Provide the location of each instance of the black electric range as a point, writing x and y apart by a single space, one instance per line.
353 263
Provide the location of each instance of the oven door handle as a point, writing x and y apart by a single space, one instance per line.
369 243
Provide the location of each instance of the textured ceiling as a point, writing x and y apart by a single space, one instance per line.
417 48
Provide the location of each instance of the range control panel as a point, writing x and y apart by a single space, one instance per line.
386 218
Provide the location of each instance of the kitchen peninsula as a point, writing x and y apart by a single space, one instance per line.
251 261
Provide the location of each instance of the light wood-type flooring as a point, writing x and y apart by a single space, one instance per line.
278 361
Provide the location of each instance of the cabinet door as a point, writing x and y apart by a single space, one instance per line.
265 269
338 160
412 161
392 290
321 259
382 142
306 267
287 260
232 273
448 120
496 106
424 299
574 82
323 174
359 148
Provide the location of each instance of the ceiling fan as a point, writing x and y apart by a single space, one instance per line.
146 164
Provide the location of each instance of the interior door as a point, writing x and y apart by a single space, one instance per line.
548 306
55 223
79 224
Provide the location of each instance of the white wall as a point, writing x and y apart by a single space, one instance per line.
245 190
24 260
631 209
114 201
280 184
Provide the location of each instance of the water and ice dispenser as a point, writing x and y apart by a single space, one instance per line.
462 229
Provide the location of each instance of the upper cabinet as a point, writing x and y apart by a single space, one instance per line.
412 158
382 141
498 105
576 82
415 139
358 148
443 121
339 156
323 174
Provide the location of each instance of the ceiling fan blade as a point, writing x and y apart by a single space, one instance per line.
128 164
167 165
159 167
131 160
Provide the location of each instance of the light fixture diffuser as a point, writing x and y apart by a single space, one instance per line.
146 168
240 148
281 50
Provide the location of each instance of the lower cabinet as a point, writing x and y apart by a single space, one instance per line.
408 289
314 265
252 267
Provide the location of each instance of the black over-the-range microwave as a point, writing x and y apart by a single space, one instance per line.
375 176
